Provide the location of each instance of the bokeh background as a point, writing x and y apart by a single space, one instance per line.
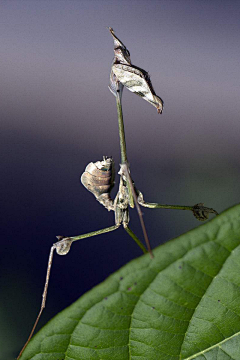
57 115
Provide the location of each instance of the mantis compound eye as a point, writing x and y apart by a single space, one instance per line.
63 245
98 178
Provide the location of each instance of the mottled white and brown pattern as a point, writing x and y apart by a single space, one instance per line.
137 80
98 178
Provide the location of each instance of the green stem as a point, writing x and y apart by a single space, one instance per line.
121 130
136 239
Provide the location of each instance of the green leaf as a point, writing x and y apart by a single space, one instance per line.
183 304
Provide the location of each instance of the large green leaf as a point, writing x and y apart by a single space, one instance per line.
183 304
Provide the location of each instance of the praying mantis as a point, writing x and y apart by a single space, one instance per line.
98 177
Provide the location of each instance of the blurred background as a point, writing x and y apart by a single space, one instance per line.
57 115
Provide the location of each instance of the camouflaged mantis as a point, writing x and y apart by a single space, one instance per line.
98 177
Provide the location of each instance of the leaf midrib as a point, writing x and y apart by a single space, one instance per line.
213 347
203 351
